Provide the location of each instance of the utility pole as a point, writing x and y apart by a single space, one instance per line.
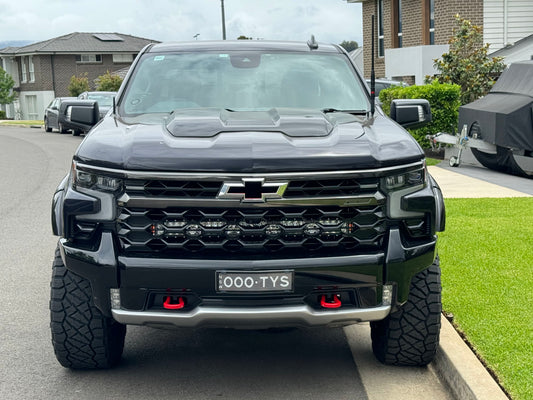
223 20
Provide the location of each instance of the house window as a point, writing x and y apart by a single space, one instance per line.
122 58
88 58
31 102
23 67
31 68
381 36
397 39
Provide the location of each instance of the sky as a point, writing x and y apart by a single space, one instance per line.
330 21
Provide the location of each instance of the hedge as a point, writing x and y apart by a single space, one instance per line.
444 99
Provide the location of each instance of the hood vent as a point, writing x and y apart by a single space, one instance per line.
209 122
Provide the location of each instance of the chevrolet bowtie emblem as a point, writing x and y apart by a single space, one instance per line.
252 190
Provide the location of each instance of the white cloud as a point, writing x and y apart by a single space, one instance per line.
166 20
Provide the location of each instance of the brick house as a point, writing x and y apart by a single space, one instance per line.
410 34
42 71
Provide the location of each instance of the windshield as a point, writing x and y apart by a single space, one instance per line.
105 100
243 81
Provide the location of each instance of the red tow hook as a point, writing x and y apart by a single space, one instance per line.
169 305
335 301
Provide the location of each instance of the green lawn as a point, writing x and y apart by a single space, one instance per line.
432 161
22 122
487 278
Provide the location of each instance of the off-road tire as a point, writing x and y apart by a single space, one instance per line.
83 338
410 336
76 132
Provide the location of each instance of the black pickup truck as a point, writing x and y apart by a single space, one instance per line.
246 184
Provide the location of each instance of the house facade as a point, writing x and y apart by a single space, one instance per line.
410 34
42 71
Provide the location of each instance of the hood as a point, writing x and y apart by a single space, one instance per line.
250 141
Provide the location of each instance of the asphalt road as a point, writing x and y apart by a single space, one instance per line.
185 364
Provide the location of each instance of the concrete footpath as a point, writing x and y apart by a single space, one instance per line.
461 183
455 363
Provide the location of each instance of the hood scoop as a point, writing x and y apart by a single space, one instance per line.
209 122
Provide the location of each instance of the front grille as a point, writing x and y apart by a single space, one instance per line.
330 187
173 188
301 232
209 189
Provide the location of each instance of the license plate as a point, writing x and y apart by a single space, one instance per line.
255 281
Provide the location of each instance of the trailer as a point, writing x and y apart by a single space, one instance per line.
460 141
499 126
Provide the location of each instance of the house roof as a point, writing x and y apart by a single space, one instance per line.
8 50
84 42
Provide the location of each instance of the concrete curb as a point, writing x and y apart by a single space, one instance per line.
459 368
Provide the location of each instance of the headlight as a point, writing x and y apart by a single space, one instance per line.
404 181
400 185
89 180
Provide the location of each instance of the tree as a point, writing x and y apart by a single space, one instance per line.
108 82
349 45
467 63
6 85
78 84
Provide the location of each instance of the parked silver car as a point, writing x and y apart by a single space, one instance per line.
104 100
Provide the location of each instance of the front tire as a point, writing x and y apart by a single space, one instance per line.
83 338
410 336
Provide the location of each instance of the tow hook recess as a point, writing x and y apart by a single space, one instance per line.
334 301
170 304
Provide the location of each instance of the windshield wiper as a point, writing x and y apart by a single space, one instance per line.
334 110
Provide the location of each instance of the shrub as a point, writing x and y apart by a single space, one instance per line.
6 87
78 85
108 82
2 114
444 100
468 63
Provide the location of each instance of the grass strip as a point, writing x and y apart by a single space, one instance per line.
487 277
432 161
22 122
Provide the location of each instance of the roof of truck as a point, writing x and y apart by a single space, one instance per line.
229 45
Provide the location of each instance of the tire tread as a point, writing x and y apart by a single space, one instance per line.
82 337
410 336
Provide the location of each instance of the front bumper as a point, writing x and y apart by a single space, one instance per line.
142 281
256 317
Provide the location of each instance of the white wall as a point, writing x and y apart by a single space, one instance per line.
506 22
414 61
42 99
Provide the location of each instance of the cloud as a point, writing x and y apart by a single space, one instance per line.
166 20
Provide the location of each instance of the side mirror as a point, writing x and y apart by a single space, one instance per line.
79 114
411 113
85 114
